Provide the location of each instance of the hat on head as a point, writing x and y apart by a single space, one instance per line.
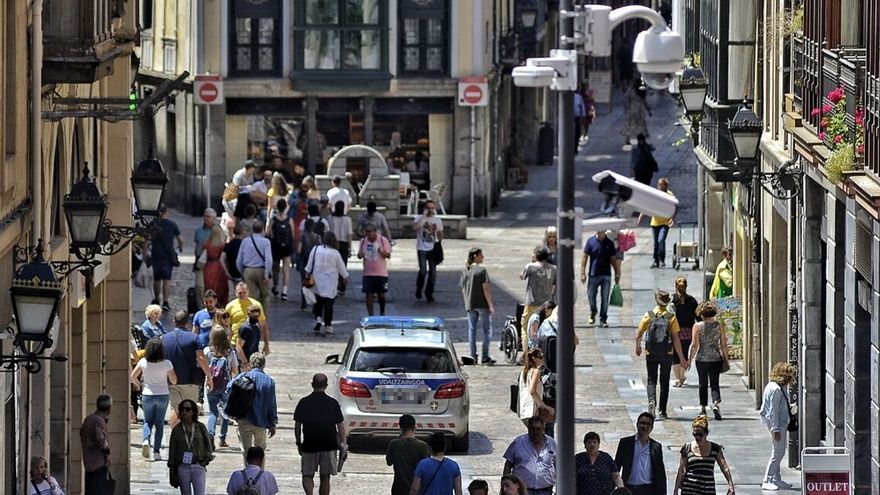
662 298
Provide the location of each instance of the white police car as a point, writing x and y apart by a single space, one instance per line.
395 365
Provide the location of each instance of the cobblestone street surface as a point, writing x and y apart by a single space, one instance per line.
610 378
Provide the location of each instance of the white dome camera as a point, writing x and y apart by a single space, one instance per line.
658 53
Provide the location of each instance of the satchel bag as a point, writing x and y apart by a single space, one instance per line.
309 281
202 260
792 414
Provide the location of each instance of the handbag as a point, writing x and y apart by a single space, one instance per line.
309 294
725 364
792 414
616 298
437 253
202 260
309 281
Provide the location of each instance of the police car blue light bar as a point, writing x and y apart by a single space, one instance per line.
402 322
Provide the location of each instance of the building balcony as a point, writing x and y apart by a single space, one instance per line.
715 151
82 38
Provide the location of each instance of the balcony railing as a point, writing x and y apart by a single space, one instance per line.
872 124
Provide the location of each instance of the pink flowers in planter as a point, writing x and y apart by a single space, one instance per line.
835 130
836 95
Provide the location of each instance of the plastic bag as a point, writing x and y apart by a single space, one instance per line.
144 277
309 295
616 296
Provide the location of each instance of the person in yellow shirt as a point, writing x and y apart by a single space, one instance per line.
722 284
660 330
660 228
238 314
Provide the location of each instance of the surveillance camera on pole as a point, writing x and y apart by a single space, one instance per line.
635 195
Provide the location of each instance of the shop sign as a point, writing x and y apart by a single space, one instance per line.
826 471
473 91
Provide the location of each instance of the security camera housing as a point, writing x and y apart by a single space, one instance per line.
658 53
530 76
636 195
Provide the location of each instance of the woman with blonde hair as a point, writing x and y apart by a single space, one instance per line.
41 482
550 242
278 190
223 362
531 389
696 469
215 271
152 327
776 414
709 347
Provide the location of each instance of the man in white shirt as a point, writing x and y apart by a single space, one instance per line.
429 231
254 262
253 474
244 177
339 193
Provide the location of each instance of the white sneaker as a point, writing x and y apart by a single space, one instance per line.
157 456
782 485
145 449
328 330
769 486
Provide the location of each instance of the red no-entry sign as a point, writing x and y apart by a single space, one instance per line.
473 91
208 89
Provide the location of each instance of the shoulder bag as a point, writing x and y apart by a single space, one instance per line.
425 488
792 412
309 281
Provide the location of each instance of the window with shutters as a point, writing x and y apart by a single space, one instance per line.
863 257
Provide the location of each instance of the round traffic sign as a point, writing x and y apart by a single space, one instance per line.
208 92
473 94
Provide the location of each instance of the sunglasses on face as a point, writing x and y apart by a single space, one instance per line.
699 434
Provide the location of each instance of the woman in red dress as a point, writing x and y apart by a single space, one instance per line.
216 276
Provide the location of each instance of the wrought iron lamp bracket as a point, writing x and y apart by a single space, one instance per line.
30 361
120 236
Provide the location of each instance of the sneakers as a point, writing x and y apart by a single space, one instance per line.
782 485
662 264
662 416
145 449
603 324
284 296
317 327
157 456
716 411
166 306
652 408
328 330
488 361
592 320
769 486
655 265
275 291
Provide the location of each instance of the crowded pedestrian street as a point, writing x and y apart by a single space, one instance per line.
610 378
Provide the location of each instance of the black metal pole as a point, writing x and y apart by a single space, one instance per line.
565 468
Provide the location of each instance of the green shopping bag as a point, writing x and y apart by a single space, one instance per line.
616 296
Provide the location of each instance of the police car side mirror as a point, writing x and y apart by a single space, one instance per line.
331 359
635 195
468 361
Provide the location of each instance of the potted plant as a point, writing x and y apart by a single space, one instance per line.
847 147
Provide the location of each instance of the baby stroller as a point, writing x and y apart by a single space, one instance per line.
511 340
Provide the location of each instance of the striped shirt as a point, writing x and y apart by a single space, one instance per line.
699 475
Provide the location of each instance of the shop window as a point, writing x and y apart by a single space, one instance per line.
423 44
255 38
349 35
275 136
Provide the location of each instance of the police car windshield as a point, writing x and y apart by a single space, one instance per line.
403 360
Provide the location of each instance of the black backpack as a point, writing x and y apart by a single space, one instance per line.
241 396
658 340
281 233
250 485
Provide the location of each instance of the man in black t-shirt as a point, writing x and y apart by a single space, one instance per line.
249 334
231 249
320 431
404 453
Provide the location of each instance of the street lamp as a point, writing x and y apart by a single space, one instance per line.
693 87
658 53
745 131
85 208
35 292
528 14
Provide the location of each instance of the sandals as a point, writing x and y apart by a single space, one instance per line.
679 383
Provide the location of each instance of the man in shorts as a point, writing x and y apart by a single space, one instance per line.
375 251
320 432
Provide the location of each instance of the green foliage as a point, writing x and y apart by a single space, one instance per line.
841 161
